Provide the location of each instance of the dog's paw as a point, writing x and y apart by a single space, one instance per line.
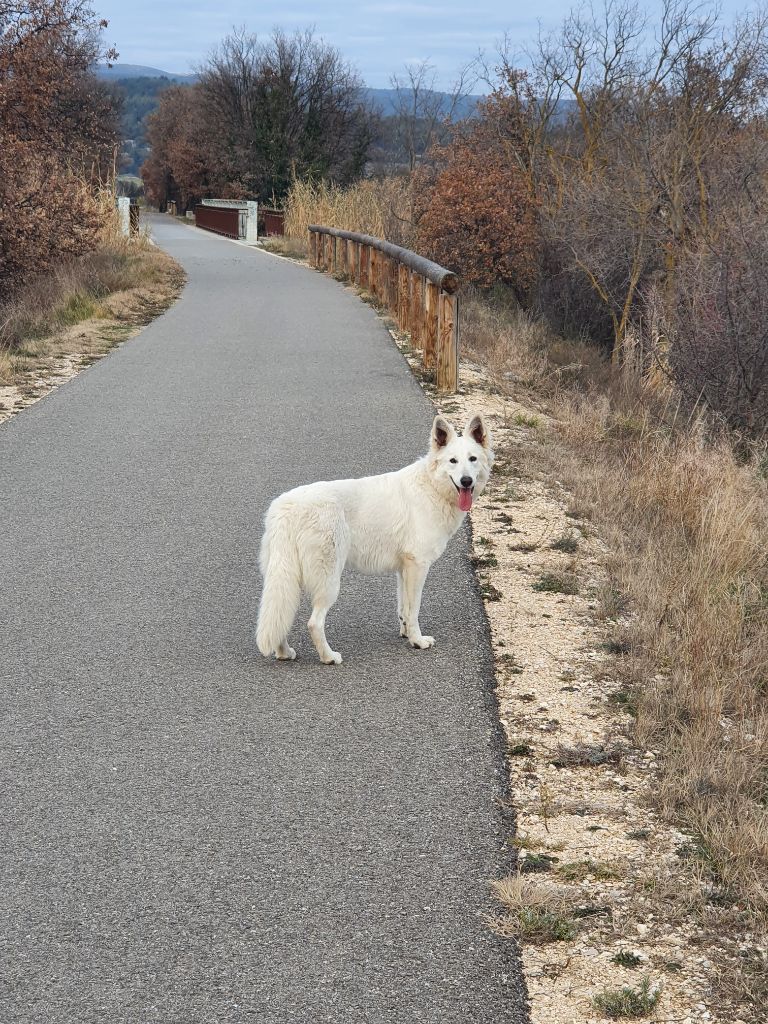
423 642
286 654
334 658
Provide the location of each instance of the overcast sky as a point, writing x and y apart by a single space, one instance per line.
377 36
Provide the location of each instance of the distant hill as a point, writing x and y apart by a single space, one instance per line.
386 102
139 95
118 71
140 86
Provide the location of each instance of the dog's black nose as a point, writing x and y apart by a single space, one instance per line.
466 481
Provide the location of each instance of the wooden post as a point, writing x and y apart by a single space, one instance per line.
358 262
413 307
386 270
365 256
431 316
344 256
374 273
448 343
402 296
385 280
419 297
312 248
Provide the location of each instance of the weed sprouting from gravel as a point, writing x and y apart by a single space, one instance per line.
557 583
626 1002
625 958
568 543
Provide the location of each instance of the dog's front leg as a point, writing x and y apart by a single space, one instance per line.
400 615
414 574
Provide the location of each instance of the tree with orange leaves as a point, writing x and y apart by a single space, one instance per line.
58 131
477 213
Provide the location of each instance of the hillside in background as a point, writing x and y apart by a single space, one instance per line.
386 100
139 88
120 72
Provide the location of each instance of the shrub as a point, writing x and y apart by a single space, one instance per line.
718 346
477 214
58 128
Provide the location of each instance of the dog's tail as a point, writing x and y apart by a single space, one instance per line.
281 570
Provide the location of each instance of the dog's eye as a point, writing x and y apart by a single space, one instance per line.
454 461
473 458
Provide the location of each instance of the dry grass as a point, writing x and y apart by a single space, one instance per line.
685 513
686 518
380 208
71 293
534 911
687 523
520 351
281 245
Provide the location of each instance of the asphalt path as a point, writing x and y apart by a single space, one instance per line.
192 833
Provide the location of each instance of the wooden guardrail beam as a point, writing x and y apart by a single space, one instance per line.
421 295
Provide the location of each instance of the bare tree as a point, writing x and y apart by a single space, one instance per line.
287 107
421 108
626 147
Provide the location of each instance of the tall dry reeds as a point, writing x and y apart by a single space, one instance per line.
379 207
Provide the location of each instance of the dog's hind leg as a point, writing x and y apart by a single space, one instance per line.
414 575
325 555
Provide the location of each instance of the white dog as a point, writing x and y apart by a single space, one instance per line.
396 522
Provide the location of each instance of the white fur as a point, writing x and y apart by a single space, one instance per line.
396 522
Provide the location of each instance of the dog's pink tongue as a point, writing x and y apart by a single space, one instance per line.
465 499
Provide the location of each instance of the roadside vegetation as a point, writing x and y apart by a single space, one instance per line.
61 254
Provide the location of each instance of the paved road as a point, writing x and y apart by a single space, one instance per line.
189 832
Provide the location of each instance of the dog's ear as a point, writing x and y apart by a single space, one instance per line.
442 433
477 430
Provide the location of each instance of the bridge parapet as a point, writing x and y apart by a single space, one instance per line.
233 218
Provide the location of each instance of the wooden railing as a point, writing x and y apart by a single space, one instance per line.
421 295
